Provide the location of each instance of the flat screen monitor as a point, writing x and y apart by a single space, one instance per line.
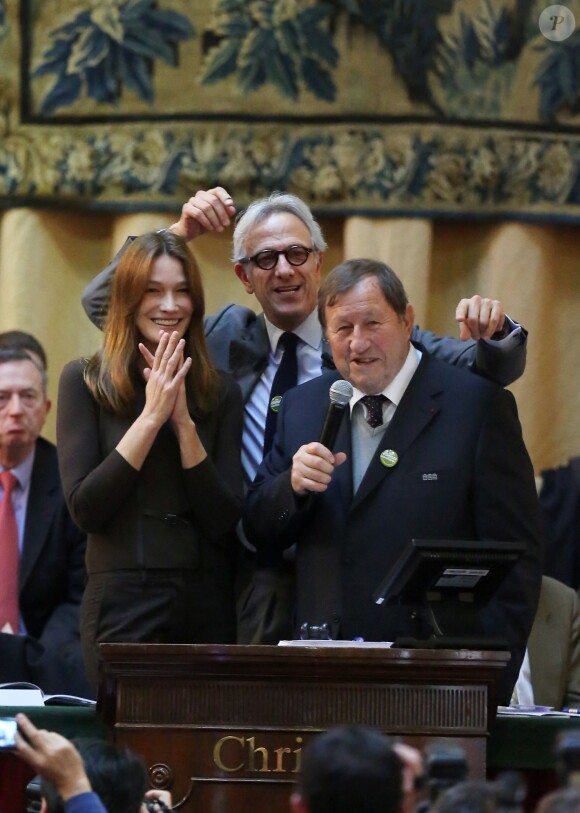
450 580
440 569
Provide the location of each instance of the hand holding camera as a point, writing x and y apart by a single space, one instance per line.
53 756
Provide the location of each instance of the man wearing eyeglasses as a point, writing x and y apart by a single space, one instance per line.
278 249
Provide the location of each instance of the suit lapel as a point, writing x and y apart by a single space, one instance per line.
249 355
44 483
418 407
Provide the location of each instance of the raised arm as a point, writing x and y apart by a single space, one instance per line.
490 343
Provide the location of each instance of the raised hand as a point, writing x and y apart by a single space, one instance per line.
479 317
208 210
52 756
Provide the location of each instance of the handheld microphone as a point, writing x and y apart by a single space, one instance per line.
340 395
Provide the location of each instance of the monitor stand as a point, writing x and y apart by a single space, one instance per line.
450 623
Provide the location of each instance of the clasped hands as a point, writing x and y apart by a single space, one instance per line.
165 373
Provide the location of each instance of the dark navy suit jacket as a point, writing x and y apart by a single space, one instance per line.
463 472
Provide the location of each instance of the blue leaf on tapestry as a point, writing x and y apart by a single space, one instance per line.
64 92
174 26
222 63
236 27
172 174
89 50
53 59
272 46
149 44
112 46
134 9
255 53
495 34
135 74
558 77
101 86
412 38
281 72
320 44
318 81
69 31
468 42
289 37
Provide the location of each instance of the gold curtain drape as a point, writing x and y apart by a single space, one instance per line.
47 257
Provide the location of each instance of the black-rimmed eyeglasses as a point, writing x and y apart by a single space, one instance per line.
268 258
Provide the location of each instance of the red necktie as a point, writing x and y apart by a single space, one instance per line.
9 555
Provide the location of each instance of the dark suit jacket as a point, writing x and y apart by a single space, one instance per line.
560 503
51 580
238 340
463 472
52 568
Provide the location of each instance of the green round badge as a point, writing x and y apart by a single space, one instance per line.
389 458
275 403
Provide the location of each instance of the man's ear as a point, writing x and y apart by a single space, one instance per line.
409 318
319 260
43 805
297 804
242 275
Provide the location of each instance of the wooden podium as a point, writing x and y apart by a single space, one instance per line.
223 727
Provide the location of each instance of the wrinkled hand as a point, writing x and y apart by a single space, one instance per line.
479 317
52 756
210 210
165 376
312 468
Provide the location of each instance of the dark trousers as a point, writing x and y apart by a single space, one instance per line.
266 602
155 606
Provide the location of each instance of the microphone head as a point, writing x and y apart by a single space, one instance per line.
341 393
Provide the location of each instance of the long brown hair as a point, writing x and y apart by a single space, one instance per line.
111 374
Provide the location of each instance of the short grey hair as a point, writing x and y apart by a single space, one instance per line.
14 354
262 208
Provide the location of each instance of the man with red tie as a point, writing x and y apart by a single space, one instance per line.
41 550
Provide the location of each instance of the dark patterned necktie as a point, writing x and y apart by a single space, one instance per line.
374 405
285 378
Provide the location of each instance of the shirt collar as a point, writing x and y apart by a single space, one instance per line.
310 331
23 471
396 389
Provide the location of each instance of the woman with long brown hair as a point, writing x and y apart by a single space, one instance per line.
149 440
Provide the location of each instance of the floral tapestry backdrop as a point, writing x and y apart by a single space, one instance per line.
419 107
